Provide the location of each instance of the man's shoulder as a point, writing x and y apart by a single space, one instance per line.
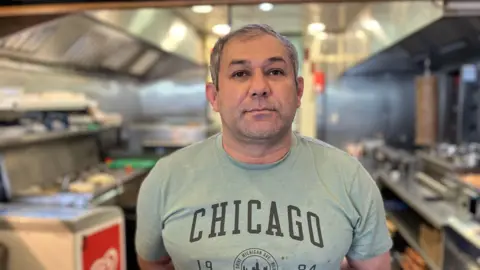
192 155
331 162
325 152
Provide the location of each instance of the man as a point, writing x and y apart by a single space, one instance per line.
257 196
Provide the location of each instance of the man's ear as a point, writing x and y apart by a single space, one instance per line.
212 94
300 88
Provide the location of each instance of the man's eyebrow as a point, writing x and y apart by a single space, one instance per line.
276 59
238 62
246 62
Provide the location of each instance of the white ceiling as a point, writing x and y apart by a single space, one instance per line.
285 18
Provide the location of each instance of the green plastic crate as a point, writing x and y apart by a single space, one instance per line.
134 163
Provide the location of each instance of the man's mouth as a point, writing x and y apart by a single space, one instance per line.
261 110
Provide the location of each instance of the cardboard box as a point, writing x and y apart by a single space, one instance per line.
432 243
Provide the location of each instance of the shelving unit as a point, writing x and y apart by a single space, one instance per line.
436 213
410 233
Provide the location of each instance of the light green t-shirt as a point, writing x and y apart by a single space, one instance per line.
306 212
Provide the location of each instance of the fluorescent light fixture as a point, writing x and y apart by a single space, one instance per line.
265 6
221 29
315 28
202 8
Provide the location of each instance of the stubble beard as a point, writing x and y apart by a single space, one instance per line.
262 134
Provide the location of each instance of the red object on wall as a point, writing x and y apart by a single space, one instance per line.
102 250
319 81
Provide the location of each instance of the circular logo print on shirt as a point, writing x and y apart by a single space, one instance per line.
255 259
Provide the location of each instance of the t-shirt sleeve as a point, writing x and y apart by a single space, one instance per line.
148 236
370 235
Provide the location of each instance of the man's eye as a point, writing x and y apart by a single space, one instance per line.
239 74
276 72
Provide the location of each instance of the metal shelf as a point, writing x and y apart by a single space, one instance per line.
409 234
50 136
435 212
95 198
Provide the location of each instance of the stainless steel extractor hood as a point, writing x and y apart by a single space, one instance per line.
145 45
13 24
446 41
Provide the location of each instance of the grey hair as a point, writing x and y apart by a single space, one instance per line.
249 30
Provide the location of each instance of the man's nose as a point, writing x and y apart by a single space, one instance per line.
259 86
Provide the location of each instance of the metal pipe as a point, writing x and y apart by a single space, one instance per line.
431 183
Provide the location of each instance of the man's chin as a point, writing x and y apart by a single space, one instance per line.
261 134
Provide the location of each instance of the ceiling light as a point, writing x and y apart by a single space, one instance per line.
321 36
360 34
202 9
177 30
371 24
221 29
315 28
265 6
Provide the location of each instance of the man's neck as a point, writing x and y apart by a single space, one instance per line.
257 152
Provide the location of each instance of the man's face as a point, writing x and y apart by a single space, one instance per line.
258 93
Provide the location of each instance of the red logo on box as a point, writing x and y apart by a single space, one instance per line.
102 250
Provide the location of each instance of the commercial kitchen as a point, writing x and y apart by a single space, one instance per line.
93 94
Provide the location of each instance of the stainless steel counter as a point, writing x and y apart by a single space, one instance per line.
122 178
413 194
81 200
425 206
